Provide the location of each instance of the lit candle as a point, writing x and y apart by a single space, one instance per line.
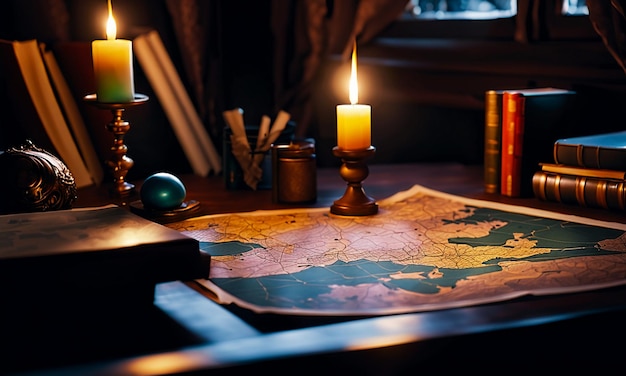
353 120
113 66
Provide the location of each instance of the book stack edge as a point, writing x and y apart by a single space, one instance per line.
589 171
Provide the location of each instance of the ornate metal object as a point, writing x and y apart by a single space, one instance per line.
119 163
34 180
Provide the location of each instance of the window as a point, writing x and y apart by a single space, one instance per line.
494 20
479 9
461 9
575 7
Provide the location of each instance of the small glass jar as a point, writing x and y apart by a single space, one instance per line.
294 172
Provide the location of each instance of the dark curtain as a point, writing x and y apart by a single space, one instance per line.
196 32
609 20
19 19
530 20
304 33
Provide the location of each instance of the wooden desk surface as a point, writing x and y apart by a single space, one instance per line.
383 181
572 330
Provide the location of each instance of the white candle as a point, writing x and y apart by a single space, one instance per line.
113 66
354 120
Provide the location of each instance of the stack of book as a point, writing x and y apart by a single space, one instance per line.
587 170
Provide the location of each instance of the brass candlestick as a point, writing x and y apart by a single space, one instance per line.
354 170
119 163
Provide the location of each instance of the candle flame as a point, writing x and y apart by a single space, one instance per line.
354 85
111 26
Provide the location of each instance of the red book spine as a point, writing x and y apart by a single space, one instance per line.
512 143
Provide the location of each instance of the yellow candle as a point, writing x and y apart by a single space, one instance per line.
353 126
354 120
113 66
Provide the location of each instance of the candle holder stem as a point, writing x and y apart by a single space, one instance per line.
354 171
119 163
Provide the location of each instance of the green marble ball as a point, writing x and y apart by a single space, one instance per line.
162 191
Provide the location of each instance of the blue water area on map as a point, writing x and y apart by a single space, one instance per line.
310 288
567 239
303 289
227 248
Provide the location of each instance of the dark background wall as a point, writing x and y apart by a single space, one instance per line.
240 37
425 82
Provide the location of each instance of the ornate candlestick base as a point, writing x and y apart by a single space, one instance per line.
354 170
119 163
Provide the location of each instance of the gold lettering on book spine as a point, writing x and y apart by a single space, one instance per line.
580 190
557 188
539 185
601 194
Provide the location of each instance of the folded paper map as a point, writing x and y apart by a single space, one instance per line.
424 250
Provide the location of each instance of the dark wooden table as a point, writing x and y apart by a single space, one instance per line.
187 333
383 181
